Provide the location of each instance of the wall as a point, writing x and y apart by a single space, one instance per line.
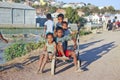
12 17
5 16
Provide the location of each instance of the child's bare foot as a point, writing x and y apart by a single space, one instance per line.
78 69
37 71
65 58
40 71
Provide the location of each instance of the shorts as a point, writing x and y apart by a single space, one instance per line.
50 53
67 53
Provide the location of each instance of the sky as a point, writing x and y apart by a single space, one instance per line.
100 3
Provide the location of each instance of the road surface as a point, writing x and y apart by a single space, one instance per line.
100 57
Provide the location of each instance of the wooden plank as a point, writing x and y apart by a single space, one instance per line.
79 63
53 66
62 58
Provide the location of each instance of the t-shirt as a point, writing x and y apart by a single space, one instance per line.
63 41
58 25
67 32
50 26
50 47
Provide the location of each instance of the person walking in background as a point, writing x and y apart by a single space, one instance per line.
109 25
114 24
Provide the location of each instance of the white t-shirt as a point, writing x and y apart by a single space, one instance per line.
50 26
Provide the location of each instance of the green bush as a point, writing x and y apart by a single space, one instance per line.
15 50
33 46
20 49
82 32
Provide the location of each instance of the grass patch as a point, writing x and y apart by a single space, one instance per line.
20 49
83 32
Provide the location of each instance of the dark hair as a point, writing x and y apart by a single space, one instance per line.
59 28
64 22
49 34
61 15
49 16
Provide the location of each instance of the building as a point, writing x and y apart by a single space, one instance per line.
16 15
74 5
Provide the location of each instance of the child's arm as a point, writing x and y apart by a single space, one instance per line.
45 48
75 44
55 48
67 38
3 39
45 28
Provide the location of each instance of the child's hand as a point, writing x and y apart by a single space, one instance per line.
59 43
75 46
73 33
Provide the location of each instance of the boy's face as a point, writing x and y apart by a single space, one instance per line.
50 38
64 26
59 33
60 19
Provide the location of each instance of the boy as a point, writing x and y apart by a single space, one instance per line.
67 32
60 20
62 49
49 25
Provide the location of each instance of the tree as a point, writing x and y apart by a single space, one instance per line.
52 9
89 4
17 1
103 10
111 9
86 10
72 15
95 10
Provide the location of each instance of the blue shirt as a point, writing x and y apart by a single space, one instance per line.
58 25
63 40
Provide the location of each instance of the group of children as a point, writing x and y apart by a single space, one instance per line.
57 42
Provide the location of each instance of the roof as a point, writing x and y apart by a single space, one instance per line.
14 5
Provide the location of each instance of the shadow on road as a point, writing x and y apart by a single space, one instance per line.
20 65
94 54
82 46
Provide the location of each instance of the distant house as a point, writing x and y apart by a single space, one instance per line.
61 11
80 13
58 11
16 15
68 5
74 5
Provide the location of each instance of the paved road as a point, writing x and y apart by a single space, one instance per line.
100 59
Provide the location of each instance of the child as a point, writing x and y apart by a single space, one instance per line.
49 25
62 49
2 38
67 32
49 51
60 20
